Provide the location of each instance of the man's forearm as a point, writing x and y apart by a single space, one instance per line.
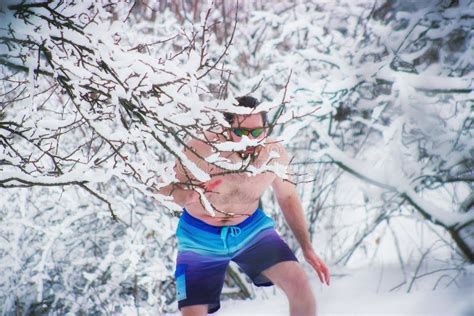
294 216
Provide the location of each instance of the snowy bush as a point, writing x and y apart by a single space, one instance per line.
373 99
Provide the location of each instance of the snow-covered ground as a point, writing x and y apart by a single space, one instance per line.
365 291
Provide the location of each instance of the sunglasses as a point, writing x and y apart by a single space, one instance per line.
243 131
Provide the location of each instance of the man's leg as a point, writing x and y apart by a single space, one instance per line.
200 266
268 258
291 278
199 282
194 310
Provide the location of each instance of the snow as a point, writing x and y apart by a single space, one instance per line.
237 146
388 173
428 82
360 292
76 175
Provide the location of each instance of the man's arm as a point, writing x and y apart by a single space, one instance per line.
292 209
180 193
183 192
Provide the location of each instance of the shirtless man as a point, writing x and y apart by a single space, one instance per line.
240 231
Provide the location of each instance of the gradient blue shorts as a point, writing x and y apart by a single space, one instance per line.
204 252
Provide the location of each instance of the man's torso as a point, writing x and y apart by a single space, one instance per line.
236 193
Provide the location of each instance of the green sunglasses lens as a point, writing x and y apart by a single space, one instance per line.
256 132
239 132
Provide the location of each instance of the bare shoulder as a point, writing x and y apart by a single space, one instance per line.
276 148
283 186
198 149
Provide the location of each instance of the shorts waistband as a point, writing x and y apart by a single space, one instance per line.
198 223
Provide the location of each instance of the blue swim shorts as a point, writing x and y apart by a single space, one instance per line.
204 252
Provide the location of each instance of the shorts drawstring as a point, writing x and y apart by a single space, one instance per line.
234 232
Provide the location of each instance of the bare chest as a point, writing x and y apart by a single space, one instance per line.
241 188
236 192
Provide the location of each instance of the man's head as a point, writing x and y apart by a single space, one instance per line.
248 102
253 126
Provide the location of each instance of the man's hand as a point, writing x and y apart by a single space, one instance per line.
318 265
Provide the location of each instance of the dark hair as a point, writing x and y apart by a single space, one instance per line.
248 102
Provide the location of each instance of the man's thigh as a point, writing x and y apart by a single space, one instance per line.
288 275
199 279
267 250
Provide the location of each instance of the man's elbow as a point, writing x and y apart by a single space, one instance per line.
182 197
166 190
170 190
